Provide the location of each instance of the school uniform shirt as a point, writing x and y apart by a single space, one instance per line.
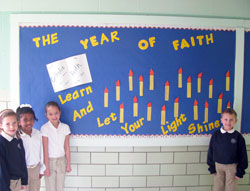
33 149
12 161
56 138
227 147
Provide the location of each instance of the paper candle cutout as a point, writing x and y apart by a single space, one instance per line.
141 85
122 113
166 91
219 109
228 105
199 82
117 90
210 94
176 107
180 78
206 112
149 111
130 80
227 81
151 80
135 107
106 95
195 110
189 87
163 115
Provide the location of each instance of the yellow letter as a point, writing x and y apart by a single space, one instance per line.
75 95
46 40
104 37
76 114
151 41
211 39
85 43
68 97
217 124
62 101
191 128
36 40
141 46
54 38
184 44
98 122
176 44
192 41
113 36
200 39
88 90
93 41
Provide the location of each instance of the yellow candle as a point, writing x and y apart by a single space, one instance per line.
106 94
135 107
195 110
141 85
166 91
176 107
118 90
206 112
199 82
227 81
210 94
130 80
149 111
151 80
180 78
122 113
189 87
219 109
163 115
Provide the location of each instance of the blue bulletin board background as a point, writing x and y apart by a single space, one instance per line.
246 90
111 61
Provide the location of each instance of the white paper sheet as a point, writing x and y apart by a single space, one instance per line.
69 72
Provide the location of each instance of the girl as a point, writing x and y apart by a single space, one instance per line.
13 171
32 141
56 148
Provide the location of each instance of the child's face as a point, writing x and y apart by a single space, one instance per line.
53 114
9 125
228 121
26 122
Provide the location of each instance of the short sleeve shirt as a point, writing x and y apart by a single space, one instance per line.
56 138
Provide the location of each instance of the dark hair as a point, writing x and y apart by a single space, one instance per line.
6 113
24 109
52 103
230 111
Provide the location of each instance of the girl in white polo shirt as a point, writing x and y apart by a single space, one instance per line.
56 148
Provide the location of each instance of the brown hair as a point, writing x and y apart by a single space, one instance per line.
230 111
5 113
52 103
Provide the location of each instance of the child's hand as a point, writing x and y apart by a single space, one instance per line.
68 168
23 187
214 174
47 172
41 175
236 177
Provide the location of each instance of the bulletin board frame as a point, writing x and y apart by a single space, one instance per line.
122 20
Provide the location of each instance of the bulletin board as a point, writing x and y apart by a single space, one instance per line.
122 81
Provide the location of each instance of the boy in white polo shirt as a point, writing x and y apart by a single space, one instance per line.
56 148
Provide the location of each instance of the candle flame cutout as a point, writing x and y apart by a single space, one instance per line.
176 107
206 112
130 80
228 81
163 115
118 90
195 110
141 85
228 104
180 78
219 109
135 107
189 87
199 82
149 111
210 94
166 91
151 79
122 113
106 95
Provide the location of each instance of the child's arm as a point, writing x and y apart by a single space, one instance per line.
46 155
210 160
242 158
67 153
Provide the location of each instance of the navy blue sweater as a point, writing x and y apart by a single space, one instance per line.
227 148
12 163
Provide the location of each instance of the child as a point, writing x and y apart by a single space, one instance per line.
32 141
227 156
56 148
13 171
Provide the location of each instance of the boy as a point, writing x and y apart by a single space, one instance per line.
227 156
